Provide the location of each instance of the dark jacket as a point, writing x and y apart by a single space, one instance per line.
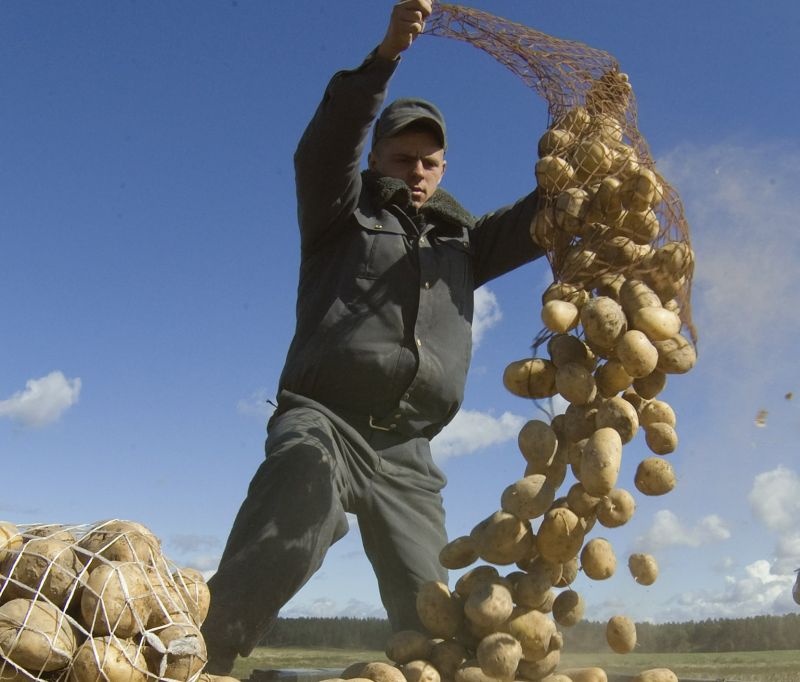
384 304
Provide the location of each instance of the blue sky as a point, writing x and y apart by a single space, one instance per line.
148 258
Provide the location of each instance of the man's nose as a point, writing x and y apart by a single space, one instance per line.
417 169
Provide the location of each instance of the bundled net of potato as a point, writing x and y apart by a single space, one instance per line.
99 602
617 322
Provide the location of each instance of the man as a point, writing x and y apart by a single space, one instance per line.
379 358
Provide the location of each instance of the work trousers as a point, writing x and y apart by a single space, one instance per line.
318 466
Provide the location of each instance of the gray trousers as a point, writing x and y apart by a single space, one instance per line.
317 467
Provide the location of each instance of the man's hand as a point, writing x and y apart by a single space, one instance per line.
407 22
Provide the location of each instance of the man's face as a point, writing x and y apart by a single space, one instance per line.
416 157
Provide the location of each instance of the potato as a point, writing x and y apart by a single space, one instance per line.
182 653
192 587
459 553
634 399
560 536
635 295
655 675
674 258
498 655
608 284
662 439
640 191
477 576
581 502
576 383
354 670
675 355
438 611
598 560
616 508
640 226
603 321
654 476
35 635
531 378
531 589
618 414
407 645
533 630
541 669
569 571
527 498
10 539
568 608
167 604
116 600
570 210
45 566
605 205
585 674
377 671
420 671
650 386
447 656
643 568
560 316
502 538
620 253
564 348
554 174
537 442
489 605
657 411
562 291
576 120
579 422
555 141
659 324
611 378
621 634
108 659
600 461
470 671
580 264
125 541
637 354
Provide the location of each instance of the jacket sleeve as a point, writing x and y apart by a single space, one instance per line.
502 239
328 157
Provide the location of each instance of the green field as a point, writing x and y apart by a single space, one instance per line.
746 666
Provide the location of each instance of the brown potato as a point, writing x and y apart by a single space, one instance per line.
447 656
643 568
533 630
502 538
560 316
650 386
470 671
563 291
489 605
35 635
600 461
560 535
537 442
564 348
474 577
10 538
655 675
654 476
420 671
637 354
192 587
116 600
555 141
621 634
618 414
554 174
377 671
675 355
531 378
439 612
109 659
635 295
598 560
611 378
569 571
575 383
407 645
658 323
499 655
459 552
662 439
527 498
581 502
125 541
182 654
541 669
603 321
585 674
568 608
616 508
579 422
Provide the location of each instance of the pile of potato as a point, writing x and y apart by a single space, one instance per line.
613 334
97 603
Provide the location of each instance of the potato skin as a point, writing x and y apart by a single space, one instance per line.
407 645
616 508
655 675
568 608
643 568
458 553
35 635
439 612
654 476
600 461
621 634
530 378
598 560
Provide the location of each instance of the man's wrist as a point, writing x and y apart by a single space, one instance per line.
387 53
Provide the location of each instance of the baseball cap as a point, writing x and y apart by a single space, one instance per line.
404 112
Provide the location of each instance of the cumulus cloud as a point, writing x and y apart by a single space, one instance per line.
42 401
486 315
775 501
472 430
668 531
759 591
189 542
256 404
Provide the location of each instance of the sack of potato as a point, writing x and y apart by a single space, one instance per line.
97 602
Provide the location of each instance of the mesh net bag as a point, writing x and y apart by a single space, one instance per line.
97 602
608 215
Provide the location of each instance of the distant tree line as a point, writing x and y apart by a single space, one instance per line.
760 633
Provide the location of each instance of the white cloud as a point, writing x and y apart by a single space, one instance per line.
471 430
256 405
190 542
42 401
325 607
486 314
668 531
759 591
775 501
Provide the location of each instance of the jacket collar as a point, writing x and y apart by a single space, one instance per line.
384 191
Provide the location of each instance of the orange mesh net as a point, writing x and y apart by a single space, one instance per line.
600 156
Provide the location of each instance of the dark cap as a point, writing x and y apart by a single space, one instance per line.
402 113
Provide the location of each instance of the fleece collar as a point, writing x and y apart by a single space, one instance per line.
442 205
